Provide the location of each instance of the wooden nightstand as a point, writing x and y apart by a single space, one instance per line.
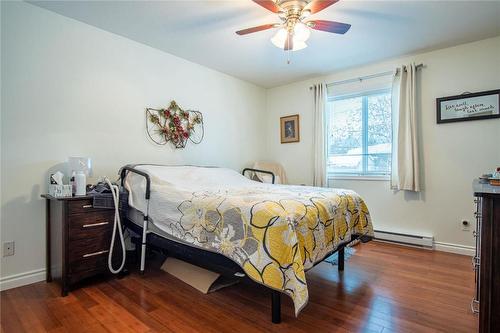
78 239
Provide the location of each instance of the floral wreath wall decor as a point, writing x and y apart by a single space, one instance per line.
174 125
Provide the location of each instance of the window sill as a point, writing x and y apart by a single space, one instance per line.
354 177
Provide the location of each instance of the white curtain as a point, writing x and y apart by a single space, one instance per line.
405 155
319 145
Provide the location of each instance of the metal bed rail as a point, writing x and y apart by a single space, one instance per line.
130 168
259 171
123 175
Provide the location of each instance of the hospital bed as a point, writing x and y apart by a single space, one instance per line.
222 221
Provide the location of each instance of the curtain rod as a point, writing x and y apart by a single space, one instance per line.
366 77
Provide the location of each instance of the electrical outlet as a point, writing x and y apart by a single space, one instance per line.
8 249
465 225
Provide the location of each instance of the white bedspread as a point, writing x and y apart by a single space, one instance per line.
171 184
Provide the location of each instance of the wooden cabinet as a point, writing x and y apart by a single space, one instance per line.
78 239
487 258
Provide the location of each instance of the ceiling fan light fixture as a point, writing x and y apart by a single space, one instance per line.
305 13
299 45
301 32
279 40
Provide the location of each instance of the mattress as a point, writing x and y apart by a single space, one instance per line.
274 232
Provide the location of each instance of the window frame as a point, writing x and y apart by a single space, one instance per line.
364 132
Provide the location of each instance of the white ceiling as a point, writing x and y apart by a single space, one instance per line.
203 32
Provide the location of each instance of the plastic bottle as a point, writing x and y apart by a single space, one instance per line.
81 183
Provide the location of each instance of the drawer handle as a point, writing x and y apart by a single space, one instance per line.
476 262
474 306
87 206
95 224
94 254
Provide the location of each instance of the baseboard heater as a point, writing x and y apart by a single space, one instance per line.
405 239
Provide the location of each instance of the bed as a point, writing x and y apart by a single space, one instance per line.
217 218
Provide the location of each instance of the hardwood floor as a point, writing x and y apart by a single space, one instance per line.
384 288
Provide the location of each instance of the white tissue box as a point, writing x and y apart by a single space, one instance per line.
58 191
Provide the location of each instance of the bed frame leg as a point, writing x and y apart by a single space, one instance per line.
276 307
143 244
340 259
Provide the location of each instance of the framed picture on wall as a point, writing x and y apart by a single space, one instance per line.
290 130
468 106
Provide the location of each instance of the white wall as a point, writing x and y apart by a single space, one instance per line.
453 154
69 89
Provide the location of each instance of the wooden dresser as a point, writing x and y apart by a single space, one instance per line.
78 239
487 259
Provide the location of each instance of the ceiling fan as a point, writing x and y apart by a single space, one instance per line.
294 29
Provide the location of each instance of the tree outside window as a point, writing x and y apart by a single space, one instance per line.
360 134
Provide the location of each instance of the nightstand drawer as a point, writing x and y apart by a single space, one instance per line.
90 247
94 264
84 206
91 224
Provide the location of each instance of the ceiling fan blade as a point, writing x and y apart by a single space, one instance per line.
288 42
255 29
318 5
269 5
329 26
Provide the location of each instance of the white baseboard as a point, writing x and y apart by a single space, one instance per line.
455 248
438 246
22 279
404 239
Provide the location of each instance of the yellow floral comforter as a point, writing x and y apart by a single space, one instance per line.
274 232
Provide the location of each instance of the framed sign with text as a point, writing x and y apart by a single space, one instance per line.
468 106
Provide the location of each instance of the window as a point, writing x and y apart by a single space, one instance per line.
359 134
